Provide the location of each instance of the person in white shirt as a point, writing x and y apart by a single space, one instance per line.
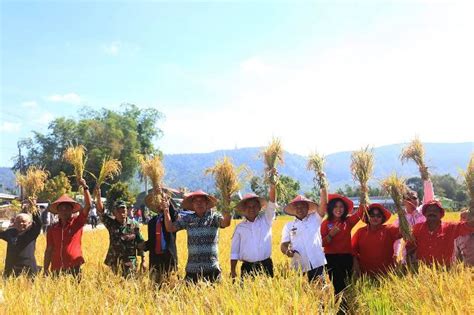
252 239
301 238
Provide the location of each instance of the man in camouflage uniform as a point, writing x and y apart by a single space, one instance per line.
124 240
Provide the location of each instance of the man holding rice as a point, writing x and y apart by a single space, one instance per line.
202 228
63 252
252 239
301 238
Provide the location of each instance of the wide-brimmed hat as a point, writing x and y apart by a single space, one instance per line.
432 203
385 212
241 205
291 209
76 206
188 200
349 204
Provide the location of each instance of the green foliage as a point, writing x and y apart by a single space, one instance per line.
55 187
350 191
448 187
119 191
117 134
287 188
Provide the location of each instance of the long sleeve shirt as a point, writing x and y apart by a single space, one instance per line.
374 248
252 241
305 238
21 248
341 242
437 246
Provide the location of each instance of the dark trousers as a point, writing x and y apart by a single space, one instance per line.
252 268
161 265
340 269
212 276
94 222
315 273
73 271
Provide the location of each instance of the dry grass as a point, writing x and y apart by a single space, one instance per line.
416 152
226 179
102 292
272 157
396 188
152 167
469 181
32 183
316 163
76 156
362 168
110 168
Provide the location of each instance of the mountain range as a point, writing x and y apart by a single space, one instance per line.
187 170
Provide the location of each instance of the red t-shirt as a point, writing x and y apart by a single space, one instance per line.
341 243
66 243
437 246
374 248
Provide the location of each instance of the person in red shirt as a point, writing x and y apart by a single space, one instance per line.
336 235
434 239
372 245
63 252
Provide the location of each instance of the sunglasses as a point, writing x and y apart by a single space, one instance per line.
375 215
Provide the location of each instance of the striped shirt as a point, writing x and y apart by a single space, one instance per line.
202 241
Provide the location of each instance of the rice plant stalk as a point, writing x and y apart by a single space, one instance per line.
468 176
396 188
272 157
362 168
226 180
76 156
316 163
33 183
416 152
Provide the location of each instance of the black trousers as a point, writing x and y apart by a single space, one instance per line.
212 276
161 265
73 271
340 269
252 268
315 273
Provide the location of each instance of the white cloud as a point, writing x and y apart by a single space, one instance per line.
44 119
71 98
30 104
7 126
112 48
409 76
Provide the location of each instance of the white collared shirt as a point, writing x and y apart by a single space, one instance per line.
305 238
252 241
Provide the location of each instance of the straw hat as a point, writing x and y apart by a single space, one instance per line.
349 204
188 200
385 212
241 205
76 206
432 203
291 209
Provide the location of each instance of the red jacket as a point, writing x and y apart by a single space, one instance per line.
374 248
341 243
66 243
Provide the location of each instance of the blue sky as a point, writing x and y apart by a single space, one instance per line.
331 75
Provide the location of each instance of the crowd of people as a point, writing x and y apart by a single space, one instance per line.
319 240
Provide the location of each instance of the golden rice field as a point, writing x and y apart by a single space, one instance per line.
430 291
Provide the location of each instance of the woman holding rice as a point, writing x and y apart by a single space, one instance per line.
372 245
202 227
336 235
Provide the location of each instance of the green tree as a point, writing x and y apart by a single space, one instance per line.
287 188
119 191
55 187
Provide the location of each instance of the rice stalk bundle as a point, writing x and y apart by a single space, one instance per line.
226 180
362 168
33 183
396 188
76 156
316 163
469 181
416 152
110 168
272 157
152 167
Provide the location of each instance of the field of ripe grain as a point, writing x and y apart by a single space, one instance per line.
429 291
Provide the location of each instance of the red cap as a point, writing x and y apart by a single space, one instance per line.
433 202
349 204
386 213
